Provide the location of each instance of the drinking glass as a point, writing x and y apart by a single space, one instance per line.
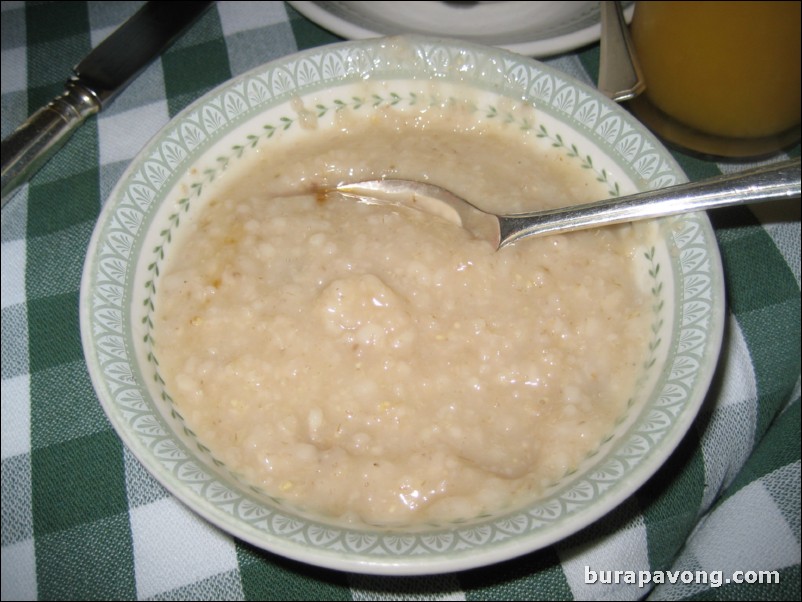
722 78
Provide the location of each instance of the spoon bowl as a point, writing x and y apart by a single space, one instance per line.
774 182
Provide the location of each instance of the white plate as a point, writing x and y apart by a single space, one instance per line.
537 29
171 178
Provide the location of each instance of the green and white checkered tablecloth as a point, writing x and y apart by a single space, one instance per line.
81 519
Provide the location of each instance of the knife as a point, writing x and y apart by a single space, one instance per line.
96 81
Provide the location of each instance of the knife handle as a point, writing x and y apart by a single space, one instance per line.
35 141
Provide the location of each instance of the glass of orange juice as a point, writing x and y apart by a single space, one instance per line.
722 78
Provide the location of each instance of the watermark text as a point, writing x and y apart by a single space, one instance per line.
712 578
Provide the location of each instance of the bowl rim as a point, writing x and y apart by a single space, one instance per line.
477 556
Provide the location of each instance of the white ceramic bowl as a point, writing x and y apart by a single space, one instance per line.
169 178
538 29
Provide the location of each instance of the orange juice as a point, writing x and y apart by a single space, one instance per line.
729 69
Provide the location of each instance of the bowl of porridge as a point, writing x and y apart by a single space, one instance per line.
369 387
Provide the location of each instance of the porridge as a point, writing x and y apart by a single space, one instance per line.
378 364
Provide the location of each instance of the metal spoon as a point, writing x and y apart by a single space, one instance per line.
773 182
620 76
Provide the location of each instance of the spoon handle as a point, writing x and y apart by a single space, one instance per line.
620 76
773 182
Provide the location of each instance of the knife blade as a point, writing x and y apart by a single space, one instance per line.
96 81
